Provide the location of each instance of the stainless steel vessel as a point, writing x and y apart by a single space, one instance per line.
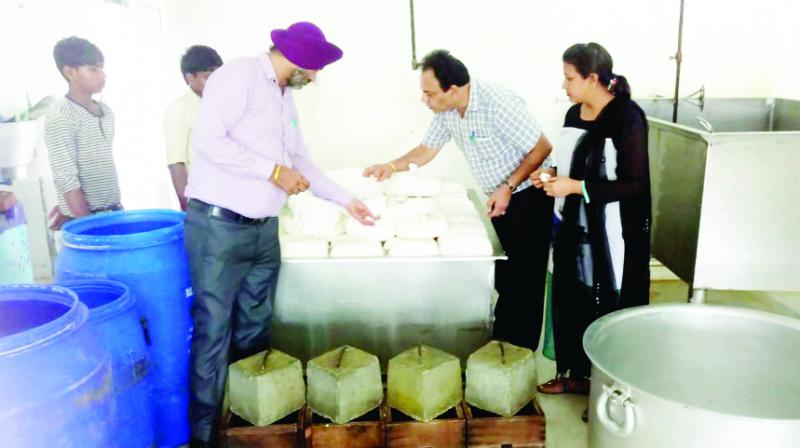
694 376
725 184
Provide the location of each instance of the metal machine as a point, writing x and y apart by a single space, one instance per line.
725 181
386 305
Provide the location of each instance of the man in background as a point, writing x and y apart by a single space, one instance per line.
197 64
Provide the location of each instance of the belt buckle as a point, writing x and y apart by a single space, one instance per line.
220 212
247 220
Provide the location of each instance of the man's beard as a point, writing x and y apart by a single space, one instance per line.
298 79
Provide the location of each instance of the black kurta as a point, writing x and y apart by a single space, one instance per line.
601 252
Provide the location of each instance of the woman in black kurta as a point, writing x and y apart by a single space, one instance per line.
601 252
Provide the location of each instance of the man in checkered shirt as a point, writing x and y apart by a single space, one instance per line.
503 145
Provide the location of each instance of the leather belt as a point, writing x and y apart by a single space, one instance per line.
229 215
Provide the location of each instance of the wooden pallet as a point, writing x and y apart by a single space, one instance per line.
366 432
461 427
285 433
446 431
524 430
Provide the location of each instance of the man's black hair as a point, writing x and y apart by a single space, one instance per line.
447 69
199 58
76 52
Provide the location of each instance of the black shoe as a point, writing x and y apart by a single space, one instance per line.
585 415
199 444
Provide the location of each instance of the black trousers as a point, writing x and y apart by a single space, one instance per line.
577 305
524 232
233 268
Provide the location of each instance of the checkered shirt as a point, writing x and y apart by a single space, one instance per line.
496 133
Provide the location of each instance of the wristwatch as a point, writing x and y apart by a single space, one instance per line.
510 187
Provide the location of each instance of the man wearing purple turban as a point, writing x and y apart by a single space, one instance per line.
248 156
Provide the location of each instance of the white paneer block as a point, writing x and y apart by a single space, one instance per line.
312 217
382 230
347 246
422 227
287 224
501 378
464 245
310 228
353 181
344 383
453 188
306 206
462 214
465 207
455 199
410 185
475 228
266 387
376 204
405 248
455 219
400 208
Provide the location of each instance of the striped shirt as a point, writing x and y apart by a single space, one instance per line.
495 134
79 149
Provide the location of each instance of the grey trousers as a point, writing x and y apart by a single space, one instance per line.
234 269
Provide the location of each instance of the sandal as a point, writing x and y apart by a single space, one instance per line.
564 385
554 386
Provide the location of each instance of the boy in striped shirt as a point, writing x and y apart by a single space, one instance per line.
79 132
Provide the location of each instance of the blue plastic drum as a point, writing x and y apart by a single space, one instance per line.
144 250
117 325
55 376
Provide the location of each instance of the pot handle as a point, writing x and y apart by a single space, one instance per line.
619 397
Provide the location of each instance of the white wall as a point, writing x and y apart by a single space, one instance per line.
366 107
785 42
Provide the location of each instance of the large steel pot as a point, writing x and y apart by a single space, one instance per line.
694 376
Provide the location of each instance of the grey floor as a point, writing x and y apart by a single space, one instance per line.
563 412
